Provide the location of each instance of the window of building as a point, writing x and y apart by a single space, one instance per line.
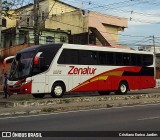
63 39
28 21
43 17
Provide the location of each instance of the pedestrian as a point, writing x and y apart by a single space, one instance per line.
5 85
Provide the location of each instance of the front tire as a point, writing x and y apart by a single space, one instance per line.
123 88
58 90
38 95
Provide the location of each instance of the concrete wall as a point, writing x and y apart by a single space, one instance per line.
11 20
59 8
106 27
10 51
47 8
74 21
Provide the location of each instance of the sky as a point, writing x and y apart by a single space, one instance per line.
143 18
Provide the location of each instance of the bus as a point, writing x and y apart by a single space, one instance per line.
60 68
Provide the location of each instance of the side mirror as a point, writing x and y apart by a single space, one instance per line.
37 58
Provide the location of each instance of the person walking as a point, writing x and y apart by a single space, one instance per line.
5 85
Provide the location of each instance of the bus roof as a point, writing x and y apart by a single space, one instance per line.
83 47
103 48
38 47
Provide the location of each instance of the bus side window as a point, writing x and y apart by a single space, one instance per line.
133 59
94 58
102 58
87 57
106 58
84 57
110 58
119 59
126 59
139 60
68 56
147 60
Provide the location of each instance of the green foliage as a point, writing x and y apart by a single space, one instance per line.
6 5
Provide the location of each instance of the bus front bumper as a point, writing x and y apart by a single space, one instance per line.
24 88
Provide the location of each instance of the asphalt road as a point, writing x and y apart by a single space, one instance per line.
135 118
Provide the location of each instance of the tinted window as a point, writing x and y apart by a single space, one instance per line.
106 58
139 59
68 56
133 59
119 59
126 59
87 57
48 54
102 58
147 60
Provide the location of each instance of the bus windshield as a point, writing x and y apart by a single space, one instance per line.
21 66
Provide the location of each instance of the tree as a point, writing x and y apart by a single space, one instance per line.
12 4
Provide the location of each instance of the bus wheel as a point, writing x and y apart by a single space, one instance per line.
58 90
123 88
104 92
38 95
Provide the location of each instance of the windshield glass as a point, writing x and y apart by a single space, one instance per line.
21 66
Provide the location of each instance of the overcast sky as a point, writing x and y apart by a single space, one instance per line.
143 17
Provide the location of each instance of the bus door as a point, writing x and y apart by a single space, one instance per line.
38 83
39 80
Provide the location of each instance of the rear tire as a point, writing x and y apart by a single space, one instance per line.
58 90
104 92
123 88
38 95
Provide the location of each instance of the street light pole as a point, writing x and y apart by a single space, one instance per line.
155 59
154 45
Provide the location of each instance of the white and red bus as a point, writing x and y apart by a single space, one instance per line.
60 68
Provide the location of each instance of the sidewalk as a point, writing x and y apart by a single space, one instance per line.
26 104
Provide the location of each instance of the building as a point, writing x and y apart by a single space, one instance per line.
18 36
57 15
59 22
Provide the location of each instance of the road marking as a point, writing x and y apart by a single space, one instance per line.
149 118
76 111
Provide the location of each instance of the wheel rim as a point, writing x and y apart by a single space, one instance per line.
123 88
58 90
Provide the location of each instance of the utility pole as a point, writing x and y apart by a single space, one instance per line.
155 59
36 22
0 24
154 45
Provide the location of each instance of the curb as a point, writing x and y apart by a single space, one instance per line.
63 109
78 103
60 101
